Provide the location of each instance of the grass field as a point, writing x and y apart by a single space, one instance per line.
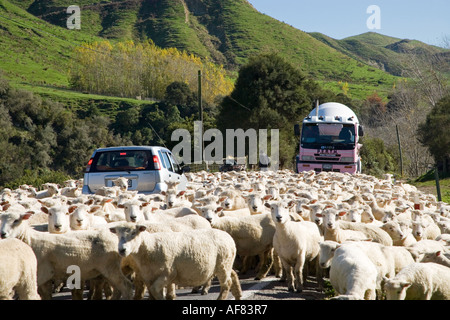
427 183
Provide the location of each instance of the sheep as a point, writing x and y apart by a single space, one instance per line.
424 229
352 274
253 235
419 281
122 183
51 190
422 247
94 252
332 230
436 257
180 258
255 202
296 243
233 200
401 235
373 232
18 271
82 218
58 218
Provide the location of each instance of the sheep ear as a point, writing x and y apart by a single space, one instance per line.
219 209
181 193
342 213
6 206
72 209
319 215
267 205
163 193
267 197
113 230
140 228
405 284
94 208
291 204
44 209
27 215
121 206
438 253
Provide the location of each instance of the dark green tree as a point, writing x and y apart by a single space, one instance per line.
434 133
270 93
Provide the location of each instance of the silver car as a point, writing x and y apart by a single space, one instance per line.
146 168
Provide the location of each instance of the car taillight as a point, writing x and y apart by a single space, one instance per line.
156 163
88 167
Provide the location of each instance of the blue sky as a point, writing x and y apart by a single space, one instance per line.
427 21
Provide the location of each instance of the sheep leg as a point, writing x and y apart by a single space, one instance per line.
298 270
114 275
265 264
156 288
139 287
236 289
276 265
289 276
45 290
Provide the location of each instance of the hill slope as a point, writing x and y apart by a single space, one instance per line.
226 31
384 52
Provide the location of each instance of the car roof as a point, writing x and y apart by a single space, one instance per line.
126 148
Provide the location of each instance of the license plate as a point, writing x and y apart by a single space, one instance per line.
327 166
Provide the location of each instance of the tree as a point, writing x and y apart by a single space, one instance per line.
179 94
270 93
435 132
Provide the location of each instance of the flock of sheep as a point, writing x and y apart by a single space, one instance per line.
370 238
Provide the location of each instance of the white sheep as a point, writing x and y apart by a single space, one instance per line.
51 189
94 252
82 217
400 236
352 274
424 229
58 218
296 243
253 235
18 271
419 281
233 200
436 257
332 230
255 202
180 258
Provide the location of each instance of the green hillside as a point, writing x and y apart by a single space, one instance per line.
384 52
226 31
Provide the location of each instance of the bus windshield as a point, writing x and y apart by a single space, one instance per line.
331 135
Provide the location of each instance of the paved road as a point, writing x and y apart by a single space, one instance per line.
269 288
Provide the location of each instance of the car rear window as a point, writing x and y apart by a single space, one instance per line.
127 160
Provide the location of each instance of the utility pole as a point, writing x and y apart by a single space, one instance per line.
200 107
400 151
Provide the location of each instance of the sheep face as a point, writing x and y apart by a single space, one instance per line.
280 211
128 235
210 213
79 218
326 254
11 224
133 211
255 202
58 219
394 230
395 289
